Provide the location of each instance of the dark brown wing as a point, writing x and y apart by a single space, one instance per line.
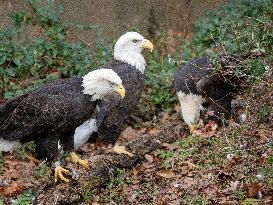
53 108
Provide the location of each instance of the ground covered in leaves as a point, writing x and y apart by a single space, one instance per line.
231 165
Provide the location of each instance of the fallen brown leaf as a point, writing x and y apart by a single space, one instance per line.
32 159
154 131
148 166
208 130
252 189
95 203
188 182
233 185
167 145
128 133
149 158
13 190
168 174
228 202
183 170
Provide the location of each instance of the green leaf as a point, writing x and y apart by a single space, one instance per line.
250 201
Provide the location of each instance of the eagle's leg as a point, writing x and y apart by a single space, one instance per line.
68 145
76 160
47 148
109 134
121 150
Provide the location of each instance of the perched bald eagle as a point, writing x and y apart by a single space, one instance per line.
129 64
198 86
50 114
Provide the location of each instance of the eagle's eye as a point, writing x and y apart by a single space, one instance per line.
134 40
112 84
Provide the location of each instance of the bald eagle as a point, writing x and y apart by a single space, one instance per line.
129 64
198 86
50 114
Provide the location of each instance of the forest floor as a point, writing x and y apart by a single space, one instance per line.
229 166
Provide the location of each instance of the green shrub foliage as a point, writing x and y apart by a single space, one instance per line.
159 94
242 27
34 49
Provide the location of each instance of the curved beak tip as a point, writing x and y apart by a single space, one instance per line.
148 45
122 96
121 91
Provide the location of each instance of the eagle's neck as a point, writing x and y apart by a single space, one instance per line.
132 58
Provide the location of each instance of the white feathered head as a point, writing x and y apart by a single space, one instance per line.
101 83
128 49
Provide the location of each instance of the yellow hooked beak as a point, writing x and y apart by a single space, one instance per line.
121 90
148 45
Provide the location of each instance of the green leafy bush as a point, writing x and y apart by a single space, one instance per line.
27 62
31 59
34 49
25 198
242 27
24 148
159 94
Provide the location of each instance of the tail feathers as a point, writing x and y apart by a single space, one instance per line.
8 146
17 135
10 136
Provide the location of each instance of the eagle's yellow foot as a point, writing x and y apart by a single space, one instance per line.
193 128
76 160
121 150
59 173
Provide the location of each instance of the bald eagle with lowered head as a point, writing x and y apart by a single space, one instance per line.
50 114
129 64
198 87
